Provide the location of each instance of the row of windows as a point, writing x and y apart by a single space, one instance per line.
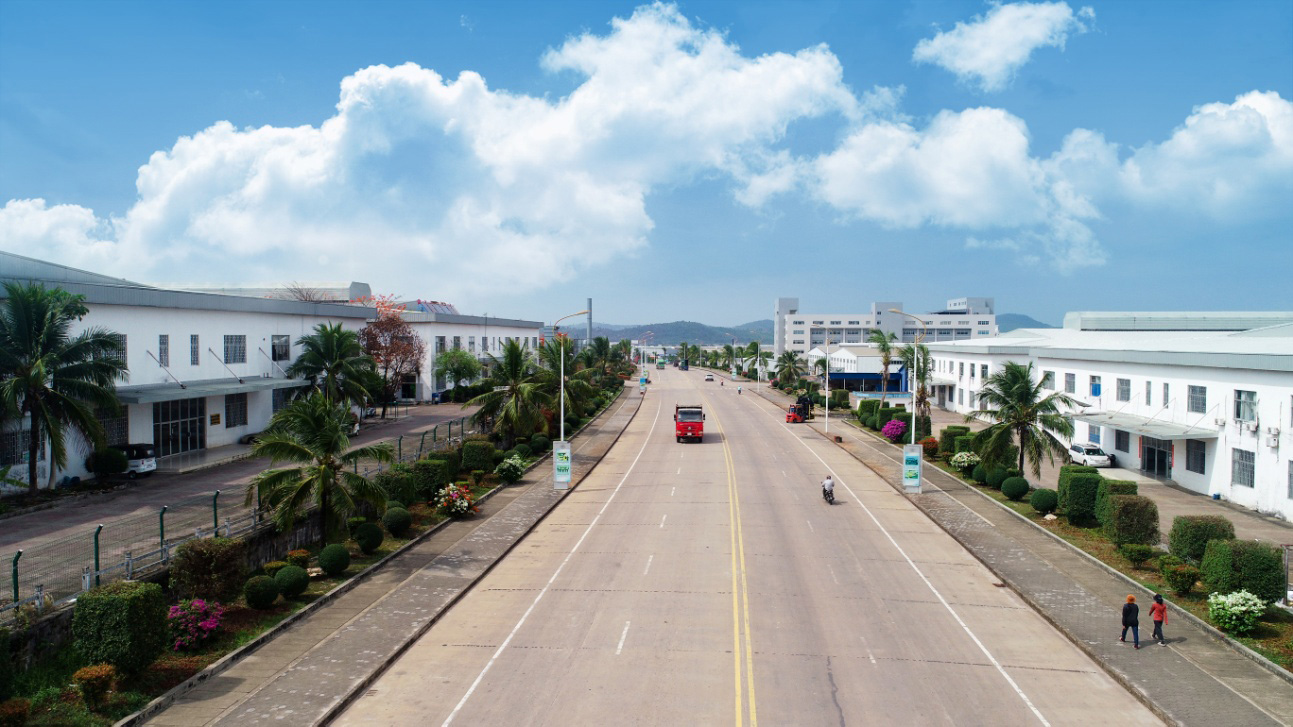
235 349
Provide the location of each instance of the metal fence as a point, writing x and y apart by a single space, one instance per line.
54 573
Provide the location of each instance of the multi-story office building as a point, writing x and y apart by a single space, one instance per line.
1203 399
206 369
963 318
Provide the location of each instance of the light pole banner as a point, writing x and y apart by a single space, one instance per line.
911 468
561 464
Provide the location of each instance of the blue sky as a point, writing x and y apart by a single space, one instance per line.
686 161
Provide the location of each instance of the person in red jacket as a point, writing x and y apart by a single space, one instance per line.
1158 612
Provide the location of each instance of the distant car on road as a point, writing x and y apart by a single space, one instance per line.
709 377
1089 454
141 459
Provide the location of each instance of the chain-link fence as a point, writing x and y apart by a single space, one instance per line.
53 573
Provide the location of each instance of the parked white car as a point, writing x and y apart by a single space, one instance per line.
1089 454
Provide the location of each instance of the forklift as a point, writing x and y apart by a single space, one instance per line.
800 411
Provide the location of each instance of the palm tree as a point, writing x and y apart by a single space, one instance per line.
578 390
516 403
1013 401
311 433
916 358
600 354
882 342
789 367
51 376
334 362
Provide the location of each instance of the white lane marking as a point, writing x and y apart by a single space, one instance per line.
671 491
833 576
662 519
810 525
928 583
648 568
867 646
620 648
679 471
489 665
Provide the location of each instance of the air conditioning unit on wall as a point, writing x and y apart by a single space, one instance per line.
1221 422
1273 442
1252 426
1273 431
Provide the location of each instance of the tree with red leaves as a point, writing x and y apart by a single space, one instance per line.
394 347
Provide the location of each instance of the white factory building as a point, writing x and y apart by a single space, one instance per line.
961 319
1202 399
205 369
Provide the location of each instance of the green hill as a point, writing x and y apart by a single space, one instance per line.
671 334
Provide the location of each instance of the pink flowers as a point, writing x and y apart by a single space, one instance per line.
192 622
893 430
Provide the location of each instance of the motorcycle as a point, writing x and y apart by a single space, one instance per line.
828 495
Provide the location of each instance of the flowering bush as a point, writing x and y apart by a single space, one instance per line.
455 501
964 460
893 430
299 558
930 446
510 470
192 622
1235 612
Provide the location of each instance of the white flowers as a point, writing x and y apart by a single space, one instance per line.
962 460
1236 612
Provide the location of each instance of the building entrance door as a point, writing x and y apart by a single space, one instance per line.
1156 457
179 426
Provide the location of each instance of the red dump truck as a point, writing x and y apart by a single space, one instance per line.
689 422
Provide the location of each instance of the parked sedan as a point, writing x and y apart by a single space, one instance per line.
1090 455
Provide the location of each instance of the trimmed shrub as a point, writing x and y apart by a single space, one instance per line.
1249 565
903 417
106 462
523 450
395 505
122 624
1082 488
539 445
964 443
1107 489
1235 612
353 523
274 566
1044 500
930 447
1181 578
334 559
1136 553
1190 535
996 476
1066 473
886 413
924 427
292 581
397 521
477 455
1217 567
95 682
979 474
260 592
429 475
1167 560
369 537
873 422
510 470
6 667
399 483
14 712
867 408
212 569
947 438
1015 488
299 558
1132 519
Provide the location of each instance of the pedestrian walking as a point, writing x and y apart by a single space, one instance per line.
1158 612
1131 620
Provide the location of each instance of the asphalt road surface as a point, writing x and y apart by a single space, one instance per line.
708 583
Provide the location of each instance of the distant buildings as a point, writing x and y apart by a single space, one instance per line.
963 318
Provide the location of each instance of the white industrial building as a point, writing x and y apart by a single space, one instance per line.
206 369
963 318
1202 399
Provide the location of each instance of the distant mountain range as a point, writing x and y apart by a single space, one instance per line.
671 334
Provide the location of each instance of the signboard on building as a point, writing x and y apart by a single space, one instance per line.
561 465
911 468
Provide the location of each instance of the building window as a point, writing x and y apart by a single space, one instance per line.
1124 390
1291 479
960 396
1070 383
1095 386
163 350
1093 432
235 410
971 371
439 344
13 447
281 397
235 349
1198 399
985 323
1166 399
120 354
960 369
1195 456
983 371
280 348
1048 380
116 427
1245 405
1149 393
457 342
194 357
1242 467
534 342
1121 440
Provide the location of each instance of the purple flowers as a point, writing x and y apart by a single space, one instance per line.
893 430
192 622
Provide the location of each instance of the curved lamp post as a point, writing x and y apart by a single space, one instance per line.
562 395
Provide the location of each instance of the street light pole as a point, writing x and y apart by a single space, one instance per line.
828 386
562 347
915 364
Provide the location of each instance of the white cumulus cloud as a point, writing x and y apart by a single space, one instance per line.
989 50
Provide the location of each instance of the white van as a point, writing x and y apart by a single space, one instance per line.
141 459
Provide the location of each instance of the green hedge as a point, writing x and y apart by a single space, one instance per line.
979 474
399 483
867 408
369 537
996 476
477 455
1044 500
430 475
1082 487
334 559
905 418
924 427
397 521
1250 565
885 414
6 667
1131 519
212 569
292 581
1190 535
1109 488
122 624
947 439
964 443
1015 488
1066 472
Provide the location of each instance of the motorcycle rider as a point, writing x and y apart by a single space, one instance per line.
828 485
738 389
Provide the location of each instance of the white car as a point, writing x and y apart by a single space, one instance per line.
1089 454
141 459
709 377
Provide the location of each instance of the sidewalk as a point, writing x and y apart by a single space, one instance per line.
313 668
1193 681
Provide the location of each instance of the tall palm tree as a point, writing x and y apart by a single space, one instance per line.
334 362
578 390
51 376
727 355
917 360
883 343
1014 402
789 367
600 354
310 432
516 403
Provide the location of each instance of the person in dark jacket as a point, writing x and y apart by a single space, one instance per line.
1131 620
1158 612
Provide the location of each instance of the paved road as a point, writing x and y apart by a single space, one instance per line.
709 584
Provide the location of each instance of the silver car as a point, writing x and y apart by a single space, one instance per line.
1089 454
